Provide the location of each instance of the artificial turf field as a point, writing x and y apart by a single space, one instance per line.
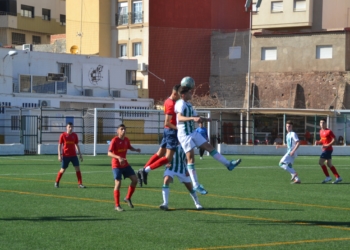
252 207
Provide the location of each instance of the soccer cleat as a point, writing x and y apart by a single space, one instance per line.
200 189
337 180
139 179
81 186
164 207
128 201
234 164
144 175
201 158
119 209
57 184
328 179
296 181
199 207
293 176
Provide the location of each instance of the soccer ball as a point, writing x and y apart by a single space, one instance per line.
188 82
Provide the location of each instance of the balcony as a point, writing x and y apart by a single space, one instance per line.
121 19
136 17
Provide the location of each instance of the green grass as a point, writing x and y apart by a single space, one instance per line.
252 207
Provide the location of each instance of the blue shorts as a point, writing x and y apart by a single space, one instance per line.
169 140
126 172
66 160
327 154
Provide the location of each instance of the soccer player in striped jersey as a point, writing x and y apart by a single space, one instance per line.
177 168
189 138
327 140
288 159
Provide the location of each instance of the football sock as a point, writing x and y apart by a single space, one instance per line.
80 180
153 158
165 193
219 157
158 163
193 174
116 197
194 197
325 170
147 169
131 190
287 167
334 171
59 176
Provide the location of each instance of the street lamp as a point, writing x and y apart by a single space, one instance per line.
10 53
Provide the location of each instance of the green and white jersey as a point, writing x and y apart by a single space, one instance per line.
291 140
185 109
179 163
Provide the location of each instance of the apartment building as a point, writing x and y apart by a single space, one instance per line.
170 39
31 21
301 54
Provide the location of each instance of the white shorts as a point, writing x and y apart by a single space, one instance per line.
193 140
288 159
182 177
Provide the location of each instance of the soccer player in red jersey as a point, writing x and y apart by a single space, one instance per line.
169 142
327 140
117 151
67 152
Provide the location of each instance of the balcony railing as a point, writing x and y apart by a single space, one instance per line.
122 19
130 18
137 17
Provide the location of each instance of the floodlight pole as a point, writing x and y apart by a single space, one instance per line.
249 62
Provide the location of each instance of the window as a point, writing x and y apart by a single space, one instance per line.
122 18
268 54
122 50
65 68
18 38
234 52
254 9
25 84
137 12
137 49
277 6
324 52
139 84
45 123
41 85
14 122
46 14
63 19
299 5
27 11
130 77
36 40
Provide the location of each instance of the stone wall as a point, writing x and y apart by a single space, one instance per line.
310 90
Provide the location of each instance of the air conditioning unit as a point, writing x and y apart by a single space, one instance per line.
44 103
27 47
142 67
88 92
116 93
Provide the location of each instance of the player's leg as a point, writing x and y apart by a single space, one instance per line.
168 178
117 173
75 162
286 163
219 157
201 153
160 153
323 158
64 166
334 171
193 173
128 172
193 194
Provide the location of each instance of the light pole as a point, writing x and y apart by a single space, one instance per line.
10 53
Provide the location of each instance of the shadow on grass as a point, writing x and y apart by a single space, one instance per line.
319 183
56 218
308 223
235 209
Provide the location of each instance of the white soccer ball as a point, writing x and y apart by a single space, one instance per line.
188 82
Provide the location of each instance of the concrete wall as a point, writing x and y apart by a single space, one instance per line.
12 149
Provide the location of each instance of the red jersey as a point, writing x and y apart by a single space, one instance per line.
326 137
169 109
119 147
69 141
